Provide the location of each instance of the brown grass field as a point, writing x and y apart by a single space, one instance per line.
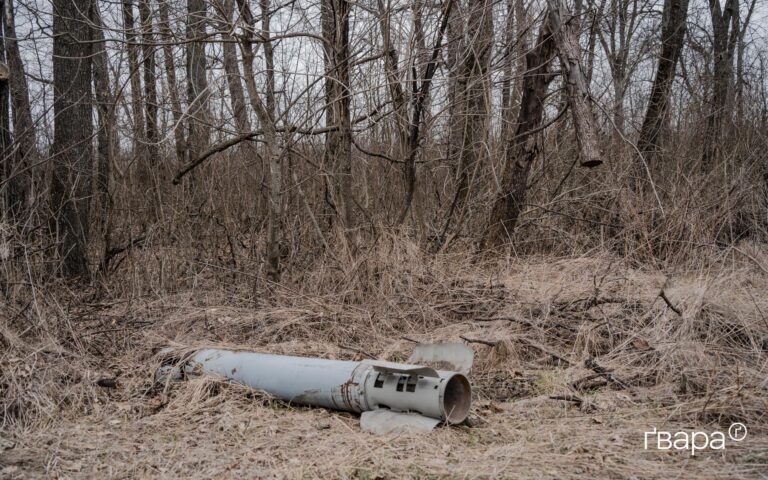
540 319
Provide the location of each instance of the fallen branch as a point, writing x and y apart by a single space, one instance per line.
669 303
115 251
582 385
568 398
545 350
591 364
357 350
490 343
583 405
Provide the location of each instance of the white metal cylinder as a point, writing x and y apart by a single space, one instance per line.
343 385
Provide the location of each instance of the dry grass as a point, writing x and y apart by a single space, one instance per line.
700 370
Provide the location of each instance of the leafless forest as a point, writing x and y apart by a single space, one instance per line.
577 189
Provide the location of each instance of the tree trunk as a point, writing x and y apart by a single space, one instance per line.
150 83
394 85
565 36
265 112
20 187
472 96
232 71
338 146
7 203
197 82
508 70
170 72
106 134
418 99
725 29
71 150
274 224
522 148
137 110
672 35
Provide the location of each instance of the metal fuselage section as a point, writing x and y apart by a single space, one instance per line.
343 385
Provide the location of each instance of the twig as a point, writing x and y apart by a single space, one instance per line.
568 398
664 297
490 343
409 339
357 350
580 384
545 350
591 364
221 146
115 251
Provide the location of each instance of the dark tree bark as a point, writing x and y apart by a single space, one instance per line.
725 31
167 36
232 71
672 36
150 82
471 104
394 82
137 109
338 143
197 82
21 183
564 28
73 130
265 112
7 156
522 147
418 99
106 133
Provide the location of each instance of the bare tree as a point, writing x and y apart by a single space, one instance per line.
621 20
672 35
564 29
725 32
265 112
522 148
393 80
197 82
21 160
338 143
471 102
150 82
231 68
557 35
418 100
73 130
9 203
106 132
166 34
137 108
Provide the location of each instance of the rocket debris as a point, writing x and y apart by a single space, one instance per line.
365 386
455 356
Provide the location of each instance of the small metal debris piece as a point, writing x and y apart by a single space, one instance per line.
456 356
383 422
340 385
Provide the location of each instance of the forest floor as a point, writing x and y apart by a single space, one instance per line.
701 369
